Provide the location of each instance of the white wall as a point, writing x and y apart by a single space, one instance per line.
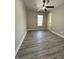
32 20
20 23
56 20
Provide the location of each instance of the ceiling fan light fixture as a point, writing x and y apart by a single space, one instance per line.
44 7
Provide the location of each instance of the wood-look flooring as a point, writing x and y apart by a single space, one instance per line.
41 45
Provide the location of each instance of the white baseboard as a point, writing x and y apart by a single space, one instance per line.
56 33
31 29
20 43
37 29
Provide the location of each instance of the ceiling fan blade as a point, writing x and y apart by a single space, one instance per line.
45 10
49 6
44 1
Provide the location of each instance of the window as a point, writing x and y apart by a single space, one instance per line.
40 20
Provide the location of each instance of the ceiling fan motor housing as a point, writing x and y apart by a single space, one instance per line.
44 5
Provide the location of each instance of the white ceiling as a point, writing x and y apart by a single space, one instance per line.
38 4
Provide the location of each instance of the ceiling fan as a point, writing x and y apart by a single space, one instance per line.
44 5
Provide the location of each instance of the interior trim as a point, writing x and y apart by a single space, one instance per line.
20 43
56 33
37 29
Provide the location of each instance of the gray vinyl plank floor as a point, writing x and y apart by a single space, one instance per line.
41 45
